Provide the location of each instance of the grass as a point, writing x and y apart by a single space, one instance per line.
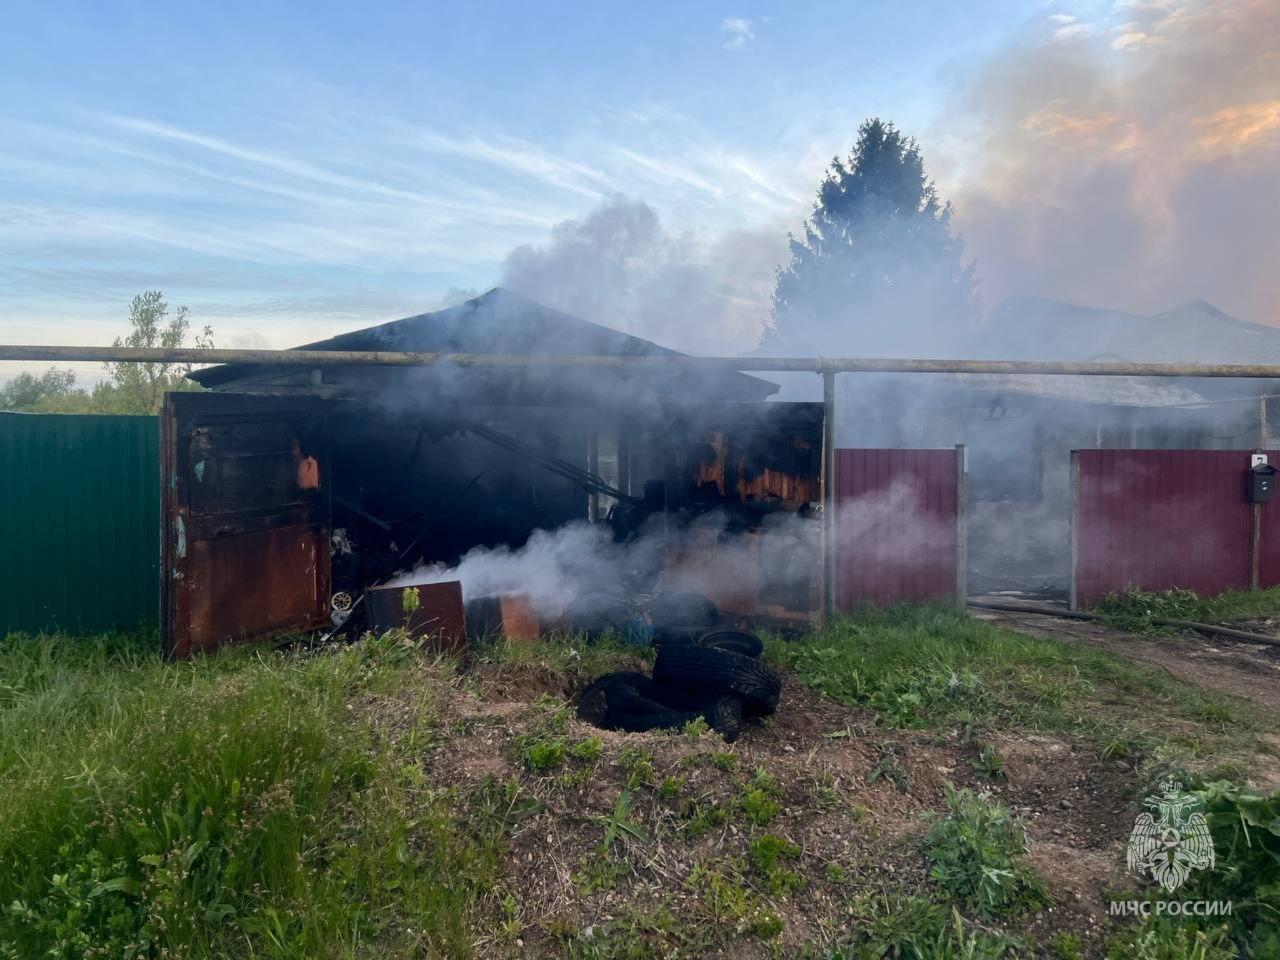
229 806
931 666
278 805
1134 609
912 927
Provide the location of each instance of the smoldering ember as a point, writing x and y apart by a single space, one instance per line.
729 552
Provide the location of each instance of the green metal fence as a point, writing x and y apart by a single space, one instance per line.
79 522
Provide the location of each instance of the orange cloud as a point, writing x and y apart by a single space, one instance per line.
1055 120
1237 128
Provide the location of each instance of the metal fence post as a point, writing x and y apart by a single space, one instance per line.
962 528
828 495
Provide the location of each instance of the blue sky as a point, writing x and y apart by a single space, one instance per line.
291 170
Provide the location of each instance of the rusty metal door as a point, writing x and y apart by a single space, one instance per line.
246 521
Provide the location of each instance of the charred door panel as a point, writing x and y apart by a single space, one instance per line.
246 518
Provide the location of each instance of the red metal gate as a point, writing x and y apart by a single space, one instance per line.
900 526
1158 519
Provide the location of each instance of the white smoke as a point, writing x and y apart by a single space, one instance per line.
618 266
709 555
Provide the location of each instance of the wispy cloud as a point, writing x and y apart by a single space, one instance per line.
737 32
354 221
525 158
1068 28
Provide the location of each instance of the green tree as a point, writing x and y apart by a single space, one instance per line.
140 387
132 387
27 392
877 269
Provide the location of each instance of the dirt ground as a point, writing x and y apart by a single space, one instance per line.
1237 668
854 797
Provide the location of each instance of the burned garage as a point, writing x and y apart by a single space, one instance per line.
558 497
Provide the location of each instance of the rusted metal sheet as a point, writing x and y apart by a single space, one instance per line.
757 466
1158 519
245 532
438 616
510 615
519 618
898 515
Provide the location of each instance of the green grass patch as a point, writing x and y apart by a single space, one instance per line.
769 855
574 657
234 805
927 666
1136 610
910 927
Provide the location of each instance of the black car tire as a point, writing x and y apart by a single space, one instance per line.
692 676
742 642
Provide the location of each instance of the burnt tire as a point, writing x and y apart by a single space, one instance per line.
626 701
593 700
742 642
725 718
691 676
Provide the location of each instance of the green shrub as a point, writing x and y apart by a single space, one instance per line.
540 751
727 898
1246 837
588 750
975 851
759 800
1066 946
1134 610
670 788
989 763
637 763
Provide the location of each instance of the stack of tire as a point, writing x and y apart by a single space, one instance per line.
702 670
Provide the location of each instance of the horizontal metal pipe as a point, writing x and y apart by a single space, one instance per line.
331 358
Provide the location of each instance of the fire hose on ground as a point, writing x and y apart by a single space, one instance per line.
1207 628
